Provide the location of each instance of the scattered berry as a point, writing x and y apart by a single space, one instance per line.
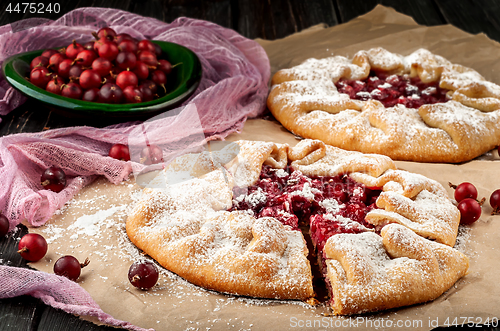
54 179
464 190
4 225
32 247
69 267
151 154
470 211
495 202
119 152
143 275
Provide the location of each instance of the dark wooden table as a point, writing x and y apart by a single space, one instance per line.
267 19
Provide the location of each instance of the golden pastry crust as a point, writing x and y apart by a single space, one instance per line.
186 226
368 272
305 100
186 229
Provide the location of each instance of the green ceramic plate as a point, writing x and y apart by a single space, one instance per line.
181 83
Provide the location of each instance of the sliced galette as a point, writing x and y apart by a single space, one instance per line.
383 237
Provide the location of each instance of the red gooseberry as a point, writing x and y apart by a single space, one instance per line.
151 154
126 78
495 201
470 211
128 45
119 152
123 36
126 60
465 190
141 70
4 225
148 57
40 76
91 95
109 50
159 78
39 61
54 179
110 93
55 60
69 267
85 58
75 71
89 45
146 45
49 52
90 79
55 85
72 90
32 247
147 94
64 67
73 49
143 275
132 94
102 66
107 33
164 66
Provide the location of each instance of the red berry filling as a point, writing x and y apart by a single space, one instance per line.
392 90
329 205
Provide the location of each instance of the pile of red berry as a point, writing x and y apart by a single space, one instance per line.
114 68
471 208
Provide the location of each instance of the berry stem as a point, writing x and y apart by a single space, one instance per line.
453 186
23 250
84 264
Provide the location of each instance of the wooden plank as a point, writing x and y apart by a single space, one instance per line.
20 313
217 11
8 248
279 18
423 11
55 319
473 16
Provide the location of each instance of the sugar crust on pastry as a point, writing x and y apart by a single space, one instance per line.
307 102
188 229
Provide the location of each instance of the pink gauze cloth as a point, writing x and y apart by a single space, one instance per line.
233 87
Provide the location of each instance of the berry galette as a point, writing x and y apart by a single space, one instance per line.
382 237
418 107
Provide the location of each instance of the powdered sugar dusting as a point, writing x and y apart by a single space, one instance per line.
459 129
